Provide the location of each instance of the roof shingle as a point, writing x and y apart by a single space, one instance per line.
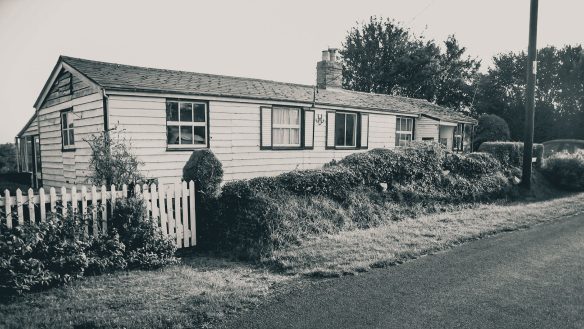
134 78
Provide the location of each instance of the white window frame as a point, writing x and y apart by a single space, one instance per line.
290 126
192 124
399 132
70 128
356 132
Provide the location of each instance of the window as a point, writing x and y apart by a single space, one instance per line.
286 127
67 130
345 129
404 131
186 124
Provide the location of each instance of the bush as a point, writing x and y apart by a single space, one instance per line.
206 171
56 251
471 165
145 245
257 216
491 128
416 162
566 170
511 153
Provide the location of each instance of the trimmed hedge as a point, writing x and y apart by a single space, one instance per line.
206 171
254 217
511 153
566 170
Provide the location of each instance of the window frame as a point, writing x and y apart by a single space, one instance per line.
300 127
458 137
192 124
398 133
357 131
68 112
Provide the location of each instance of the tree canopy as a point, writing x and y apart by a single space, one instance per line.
559 106
384 57
490 128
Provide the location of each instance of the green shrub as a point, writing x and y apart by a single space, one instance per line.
405 164
333 182
566 170
490 128
145 245
511 153
42 255
105 253
257 216
206 171
472 164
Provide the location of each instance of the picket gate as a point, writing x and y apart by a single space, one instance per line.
172 207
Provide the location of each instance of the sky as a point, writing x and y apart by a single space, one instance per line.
264 39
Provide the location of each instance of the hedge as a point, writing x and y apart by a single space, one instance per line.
511 153
254 217
566 170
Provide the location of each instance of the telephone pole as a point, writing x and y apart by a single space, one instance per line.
530 104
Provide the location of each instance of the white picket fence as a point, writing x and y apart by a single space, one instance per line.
171 206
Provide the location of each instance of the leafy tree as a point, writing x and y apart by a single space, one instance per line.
7 157
112 161
559 111
490 128
382 56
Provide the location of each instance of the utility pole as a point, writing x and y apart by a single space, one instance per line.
529 109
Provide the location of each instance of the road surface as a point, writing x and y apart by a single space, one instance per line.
524 279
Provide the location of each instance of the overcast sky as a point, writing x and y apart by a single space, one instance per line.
268 39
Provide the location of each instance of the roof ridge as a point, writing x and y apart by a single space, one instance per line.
64 57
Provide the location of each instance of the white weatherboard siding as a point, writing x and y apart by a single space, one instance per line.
427 128
68 168
234 138
32 129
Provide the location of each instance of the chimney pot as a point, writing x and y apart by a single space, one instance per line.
325 55
333 54
329 71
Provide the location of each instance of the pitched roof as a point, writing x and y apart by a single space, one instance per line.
134 78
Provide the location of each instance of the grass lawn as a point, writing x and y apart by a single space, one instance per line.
204 290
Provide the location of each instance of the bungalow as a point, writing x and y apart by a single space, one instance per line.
255 127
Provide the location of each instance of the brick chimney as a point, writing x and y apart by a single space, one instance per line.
329 72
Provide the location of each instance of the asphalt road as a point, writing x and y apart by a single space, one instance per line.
524 279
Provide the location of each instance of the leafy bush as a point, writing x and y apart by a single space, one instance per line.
112 161
333 182
491 128
56 251
145 245
566 170
511 153
471 165
42 255
416 162
206 171
257 216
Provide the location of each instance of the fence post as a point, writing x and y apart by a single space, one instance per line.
104 209
113 199
177 216
84 209
162 200
42 204
154 207
185 216
74 199
53 200
124 191
8 208
94 210
170 210
31 213
19 207
64 200
193 217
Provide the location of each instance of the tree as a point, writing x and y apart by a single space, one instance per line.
384 57
112 161
490 128
559 111
7 157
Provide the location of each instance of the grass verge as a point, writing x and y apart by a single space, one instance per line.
198 293
359 250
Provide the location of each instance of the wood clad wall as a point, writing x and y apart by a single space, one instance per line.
67 87
32 129
235 139
427 128
68 168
